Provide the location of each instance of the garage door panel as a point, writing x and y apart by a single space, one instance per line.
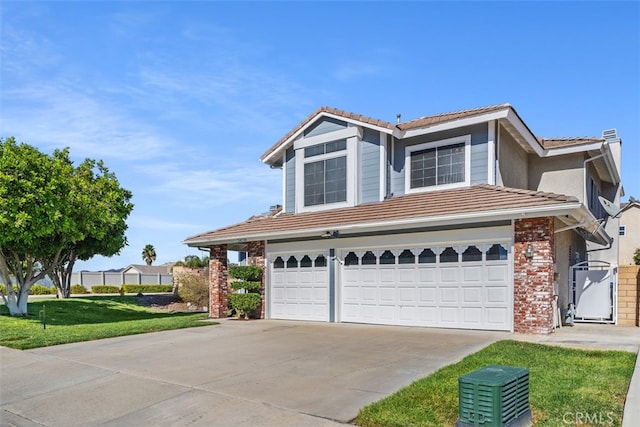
421 289
299 291
497 294
497 273
427 295
387 275
449 295
448 315
449 274
427 275
472 274
472 295
472 316
387 295
407 295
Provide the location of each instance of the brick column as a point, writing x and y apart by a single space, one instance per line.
218 281
629 295
256 256
533 280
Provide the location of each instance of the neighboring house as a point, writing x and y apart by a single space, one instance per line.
148 269
458 220
629 232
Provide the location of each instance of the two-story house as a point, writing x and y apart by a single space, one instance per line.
457 220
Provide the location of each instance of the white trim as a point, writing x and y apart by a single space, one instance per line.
491 133
327 137
383 166
513 118
454 124
435 144
350 153
284 184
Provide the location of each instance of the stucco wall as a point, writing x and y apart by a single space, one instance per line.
512 162
569 250
561 174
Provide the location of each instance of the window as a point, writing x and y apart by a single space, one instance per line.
278 263
407 257
438 164
351 259
449 255
368 258
292 262
622 230
305 262
387 258
320 261
325 180
472 253
427 256
496 253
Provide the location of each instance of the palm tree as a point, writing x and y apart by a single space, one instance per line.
149 254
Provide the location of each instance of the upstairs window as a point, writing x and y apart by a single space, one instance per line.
438 164
325 173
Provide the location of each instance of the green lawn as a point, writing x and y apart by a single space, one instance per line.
85 319
563 382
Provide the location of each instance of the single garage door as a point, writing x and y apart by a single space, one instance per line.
299 287
458 286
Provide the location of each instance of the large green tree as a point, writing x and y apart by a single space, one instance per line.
47 211
100 208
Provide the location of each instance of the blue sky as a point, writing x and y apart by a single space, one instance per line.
181 98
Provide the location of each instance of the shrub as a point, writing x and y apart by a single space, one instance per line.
249 273
194 288
248 281
244 304
134 289
3 289
105 289
636 257
42 290
78 289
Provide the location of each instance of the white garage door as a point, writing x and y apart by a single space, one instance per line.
299 287
457 286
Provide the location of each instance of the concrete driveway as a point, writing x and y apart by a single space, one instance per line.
235 374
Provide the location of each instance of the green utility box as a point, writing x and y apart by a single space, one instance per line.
494 396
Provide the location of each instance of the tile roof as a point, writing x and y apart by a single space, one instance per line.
550 143
420 206
412 124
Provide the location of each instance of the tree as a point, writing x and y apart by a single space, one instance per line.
100 210
149 254
636 257
36 218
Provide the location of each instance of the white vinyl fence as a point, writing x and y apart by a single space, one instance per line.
95 278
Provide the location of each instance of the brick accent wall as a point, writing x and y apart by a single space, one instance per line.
256 256
533 280
218 281
629 295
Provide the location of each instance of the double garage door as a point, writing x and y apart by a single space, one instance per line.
456 286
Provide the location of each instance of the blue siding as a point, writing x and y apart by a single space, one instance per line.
369 167
479 153
290 184
325 125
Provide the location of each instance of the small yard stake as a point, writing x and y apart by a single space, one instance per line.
43 316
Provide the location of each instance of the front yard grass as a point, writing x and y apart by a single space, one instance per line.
85 319
563 384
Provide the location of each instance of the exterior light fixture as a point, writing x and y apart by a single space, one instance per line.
528 252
